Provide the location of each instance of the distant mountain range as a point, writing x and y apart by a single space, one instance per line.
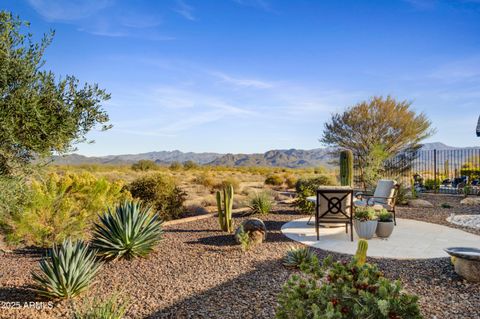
281 158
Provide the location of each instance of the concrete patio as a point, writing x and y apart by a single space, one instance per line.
411 239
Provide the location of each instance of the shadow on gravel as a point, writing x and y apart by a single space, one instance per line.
17 294
30 252
220 240
250 295
192 231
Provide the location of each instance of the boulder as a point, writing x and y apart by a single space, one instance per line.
471 201
466 261
255 228
420 203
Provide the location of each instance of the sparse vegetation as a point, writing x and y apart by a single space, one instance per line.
112 307
162 193
261 203
274 180
144 165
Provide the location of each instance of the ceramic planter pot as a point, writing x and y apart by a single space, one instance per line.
365 229
384 229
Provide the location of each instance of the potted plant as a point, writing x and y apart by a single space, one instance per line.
385 224
365 222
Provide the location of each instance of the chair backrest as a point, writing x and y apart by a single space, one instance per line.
385 188
334 203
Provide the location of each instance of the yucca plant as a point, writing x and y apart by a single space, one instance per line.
261 203
129 231
68 270
296 256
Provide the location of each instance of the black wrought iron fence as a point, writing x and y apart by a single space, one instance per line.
452 171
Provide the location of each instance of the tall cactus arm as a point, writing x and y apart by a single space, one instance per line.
221 215
361 253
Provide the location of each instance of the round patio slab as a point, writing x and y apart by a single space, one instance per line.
411 239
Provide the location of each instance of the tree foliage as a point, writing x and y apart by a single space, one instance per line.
380 123
39 114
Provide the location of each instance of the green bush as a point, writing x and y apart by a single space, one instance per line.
144 165
190 165
175 166
430 183
306 187
227 182
162 193
275 180
14 194
261 203
111 307
205 180
472 173
291 181
68 270
344 290
61 207
384 216
129 231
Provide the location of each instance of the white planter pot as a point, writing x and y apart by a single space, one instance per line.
384 229
365 229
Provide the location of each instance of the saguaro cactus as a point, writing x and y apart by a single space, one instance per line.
225 206
361 253
346 168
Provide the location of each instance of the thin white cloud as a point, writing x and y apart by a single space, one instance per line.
465 69
185 10
58 10
242 82
259 4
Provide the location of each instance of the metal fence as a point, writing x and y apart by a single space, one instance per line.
451 171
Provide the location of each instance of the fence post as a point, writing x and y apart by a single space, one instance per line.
435 170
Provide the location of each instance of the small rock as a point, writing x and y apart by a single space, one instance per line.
471 201
420 203
255 228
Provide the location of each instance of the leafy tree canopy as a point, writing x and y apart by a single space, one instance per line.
39 114
379 121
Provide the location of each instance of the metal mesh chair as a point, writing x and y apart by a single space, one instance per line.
334 206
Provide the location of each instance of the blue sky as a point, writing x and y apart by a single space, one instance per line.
253 75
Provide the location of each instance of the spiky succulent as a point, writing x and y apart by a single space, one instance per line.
67 270
129 231
296 256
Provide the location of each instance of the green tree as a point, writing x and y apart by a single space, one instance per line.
377 129
39 114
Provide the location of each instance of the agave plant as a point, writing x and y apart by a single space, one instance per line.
111 307
68 270
131 230
261 203
296 256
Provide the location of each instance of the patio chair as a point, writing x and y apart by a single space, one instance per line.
385 196
334 206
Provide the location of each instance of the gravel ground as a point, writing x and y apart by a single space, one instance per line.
198 272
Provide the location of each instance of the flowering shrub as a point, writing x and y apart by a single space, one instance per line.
344 290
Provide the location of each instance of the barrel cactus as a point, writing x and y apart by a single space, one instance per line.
346 168
361 254
225 206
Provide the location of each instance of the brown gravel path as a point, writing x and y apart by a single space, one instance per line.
197 272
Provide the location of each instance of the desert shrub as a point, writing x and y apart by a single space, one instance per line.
471 172
14 194
404 193
275 180
129 231
227 182
175 166
111 307
205 180
68 270
261 203
430 183
162 193
296 256
144 165
306 187
320 170
244 239
61 207
190 165
344 290
291 181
